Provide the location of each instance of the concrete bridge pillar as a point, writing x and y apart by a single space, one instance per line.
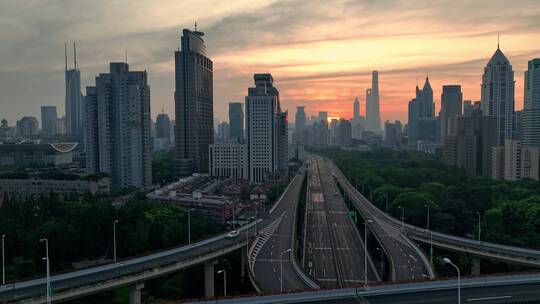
209 278
243 263
135 293
475 269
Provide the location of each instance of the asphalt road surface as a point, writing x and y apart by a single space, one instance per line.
334 249
269 255
409 263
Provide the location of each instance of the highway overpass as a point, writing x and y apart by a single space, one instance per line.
518 289
135 271
511 254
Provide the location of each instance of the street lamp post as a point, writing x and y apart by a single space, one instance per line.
402 217
224 281
3 261
430 236
281 268
479 226
114 239
365 250
189 225
48 280
447 261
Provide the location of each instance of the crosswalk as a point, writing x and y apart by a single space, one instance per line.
263 237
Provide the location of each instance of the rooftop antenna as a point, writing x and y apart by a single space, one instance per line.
74 56
498 38
65 55
195 26
125 56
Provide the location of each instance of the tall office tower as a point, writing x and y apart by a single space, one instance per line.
49 118
392 134
27 126
194 104
356 109
421 108
283 143
117 128
163 126
467 108
300 124
531 106
73 101
373 115
236 121
451 108
223 132
323 116
344 132
498 94
412 123
425 100
263 128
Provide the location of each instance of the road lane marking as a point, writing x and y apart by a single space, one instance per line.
488 298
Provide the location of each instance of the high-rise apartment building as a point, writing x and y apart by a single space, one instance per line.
194 104
236 121
223 132
73 100
498 94
49 119
392 134
373 115
531 107
117 127
451 108
264 129
27 126
323 116
300 124
163 126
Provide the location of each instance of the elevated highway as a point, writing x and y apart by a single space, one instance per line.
135 271
483 249
520 289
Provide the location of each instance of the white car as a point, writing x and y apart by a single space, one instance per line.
233 234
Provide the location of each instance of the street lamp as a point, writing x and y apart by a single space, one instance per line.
281 268
114 239
46 259
402 216
447 261
430 235
3 261
365 250
224 281
189 225
479 225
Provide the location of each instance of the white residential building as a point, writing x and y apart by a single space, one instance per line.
228 160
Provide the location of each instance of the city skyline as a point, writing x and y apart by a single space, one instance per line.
336 69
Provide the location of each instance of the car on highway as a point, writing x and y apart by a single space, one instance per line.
233 234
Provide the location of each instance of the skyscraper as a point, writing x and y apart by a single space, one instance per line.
498 94
425 99
264 138
49 119
300 124
163 126
194 104
236 121
451 108
356 109
73 101
323 116
373 115
27 126
420 109
117 115
531 106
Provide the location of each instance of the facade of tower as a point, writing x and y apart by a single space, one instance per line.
300 124
356 109
264 133
73 100
163 126
373 115
117 128
194 105
531 106
451 108
498 94
236 121
49 119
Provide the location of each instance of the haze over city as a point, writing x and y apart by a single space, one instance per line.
321 53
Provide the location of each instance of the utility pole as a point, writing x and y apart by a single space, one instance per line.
114 239
430 236
479 226
3 261
48 280
365 250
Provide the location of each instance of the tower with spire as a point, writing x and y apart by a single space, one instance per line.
73 97
498 93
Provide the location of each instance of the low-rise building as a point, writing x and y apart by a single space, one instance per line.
228 160
32 153
26 188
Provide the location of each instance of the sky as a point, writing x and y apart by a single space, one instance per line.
320 52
